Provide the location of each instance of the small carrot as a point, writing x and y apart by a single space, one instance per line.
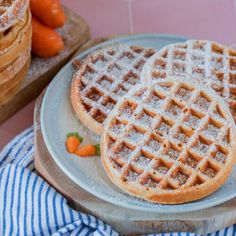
45 41
88 150
73 141
50 12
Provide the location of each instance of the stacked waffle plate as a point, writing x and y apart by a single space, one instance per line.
15 45
167 118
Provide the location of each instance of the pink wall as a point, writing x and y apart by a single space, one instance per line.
206 19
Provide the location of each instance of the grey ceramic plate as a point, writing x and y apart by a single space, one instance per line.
58 118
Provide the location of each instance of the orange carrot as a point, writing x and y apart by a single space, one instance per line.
45 41
73 141
50 12
88 150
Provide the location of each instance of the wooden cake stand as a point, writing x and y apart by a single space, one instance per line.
125 221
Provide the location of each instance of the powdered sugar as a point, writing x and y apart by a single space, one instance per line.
142 161
118 128
202 147
184 93
219 156
131 176
164 128
181 178
154 100
174 110
135 136
127 111
182 137
217 63
162 169
212 131
192 121
11 12
145 119
190 161
172 153
202 103
154 145
123 152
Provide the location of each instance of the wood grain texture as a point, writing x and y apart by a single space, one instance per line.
125 221
75 33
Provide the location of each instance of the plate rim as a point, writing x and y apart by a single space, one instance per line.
162 207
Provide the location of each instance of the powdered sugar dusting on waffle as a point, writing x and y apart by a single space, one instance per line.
185 151
11 11
208 62
107 75
16 66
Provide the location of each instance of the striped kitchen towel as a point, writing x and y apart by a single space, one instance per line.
29 206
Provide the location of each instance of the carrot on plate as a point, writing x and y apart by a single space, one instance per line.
73 141
50 12
45 41
88 150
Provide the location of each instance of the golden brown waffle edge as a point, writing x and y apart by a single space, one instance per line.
169 143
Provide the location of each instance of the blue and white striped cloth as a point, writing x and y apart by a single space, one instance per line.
29 206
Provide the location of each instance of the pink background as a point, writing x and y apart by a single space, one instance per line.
211 19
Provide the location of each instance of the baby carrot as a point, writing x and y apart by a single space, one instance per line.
45 41
88 150
50 12
73 141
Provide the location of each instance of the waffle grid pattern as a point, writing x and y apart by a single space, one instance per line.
183 141
205 61
106 76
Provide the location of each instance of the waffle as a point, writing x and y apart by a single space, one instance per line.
15 84
8 37
102 79
208 62
15 58
15 48
171 143
11 11
8 75
16 40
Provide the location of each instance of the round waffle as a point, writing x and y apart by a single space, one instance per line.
11 11
102 79
8 74
16 40
15 84
172 142
208 62
15 58
15 45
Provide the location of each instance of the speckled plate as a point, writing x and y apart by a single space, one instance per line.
58 118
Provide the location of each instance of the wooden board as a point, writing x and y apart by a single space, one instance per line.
125 221
75 33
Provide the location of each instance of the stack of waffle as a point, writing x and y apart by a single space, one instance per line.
15 46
